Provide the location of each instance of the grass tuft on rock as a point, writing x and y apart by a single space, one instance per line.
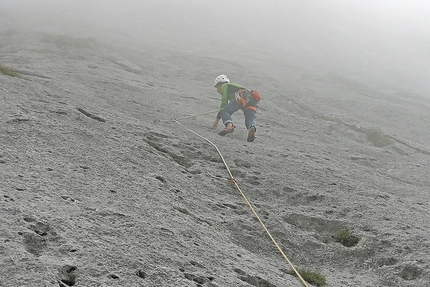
312 277
345 237
376 137
9 72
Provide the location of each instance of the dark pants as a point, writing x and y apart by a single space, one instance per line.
232 107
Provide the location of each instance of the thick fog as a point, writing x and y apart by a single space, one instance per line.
386 42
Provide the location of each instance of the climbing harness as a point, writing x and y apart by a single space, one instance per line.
247 99
233 181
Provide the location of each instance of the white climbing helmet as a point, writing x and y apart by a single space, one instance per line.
221 79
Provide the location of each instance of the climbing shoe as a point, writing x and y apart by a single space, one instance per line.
251 134
227 130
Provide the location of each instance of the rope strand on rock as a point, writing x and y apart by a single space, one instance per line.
246 200
196 115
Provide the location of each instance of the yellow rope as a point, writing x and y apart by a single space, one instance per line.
196 115
247 201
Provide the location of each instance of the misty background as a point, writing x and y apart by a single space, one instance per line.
383 43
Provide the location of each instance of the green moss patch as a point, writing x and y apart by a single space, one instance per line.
312 277
9 72
344 237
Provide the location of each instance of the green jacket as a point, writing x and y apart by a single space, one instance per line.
227 92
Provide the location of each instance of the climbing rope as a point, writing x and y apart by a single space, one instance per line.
232 180
196 115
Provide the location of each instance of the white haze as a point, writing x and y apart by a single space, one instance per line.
384 42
